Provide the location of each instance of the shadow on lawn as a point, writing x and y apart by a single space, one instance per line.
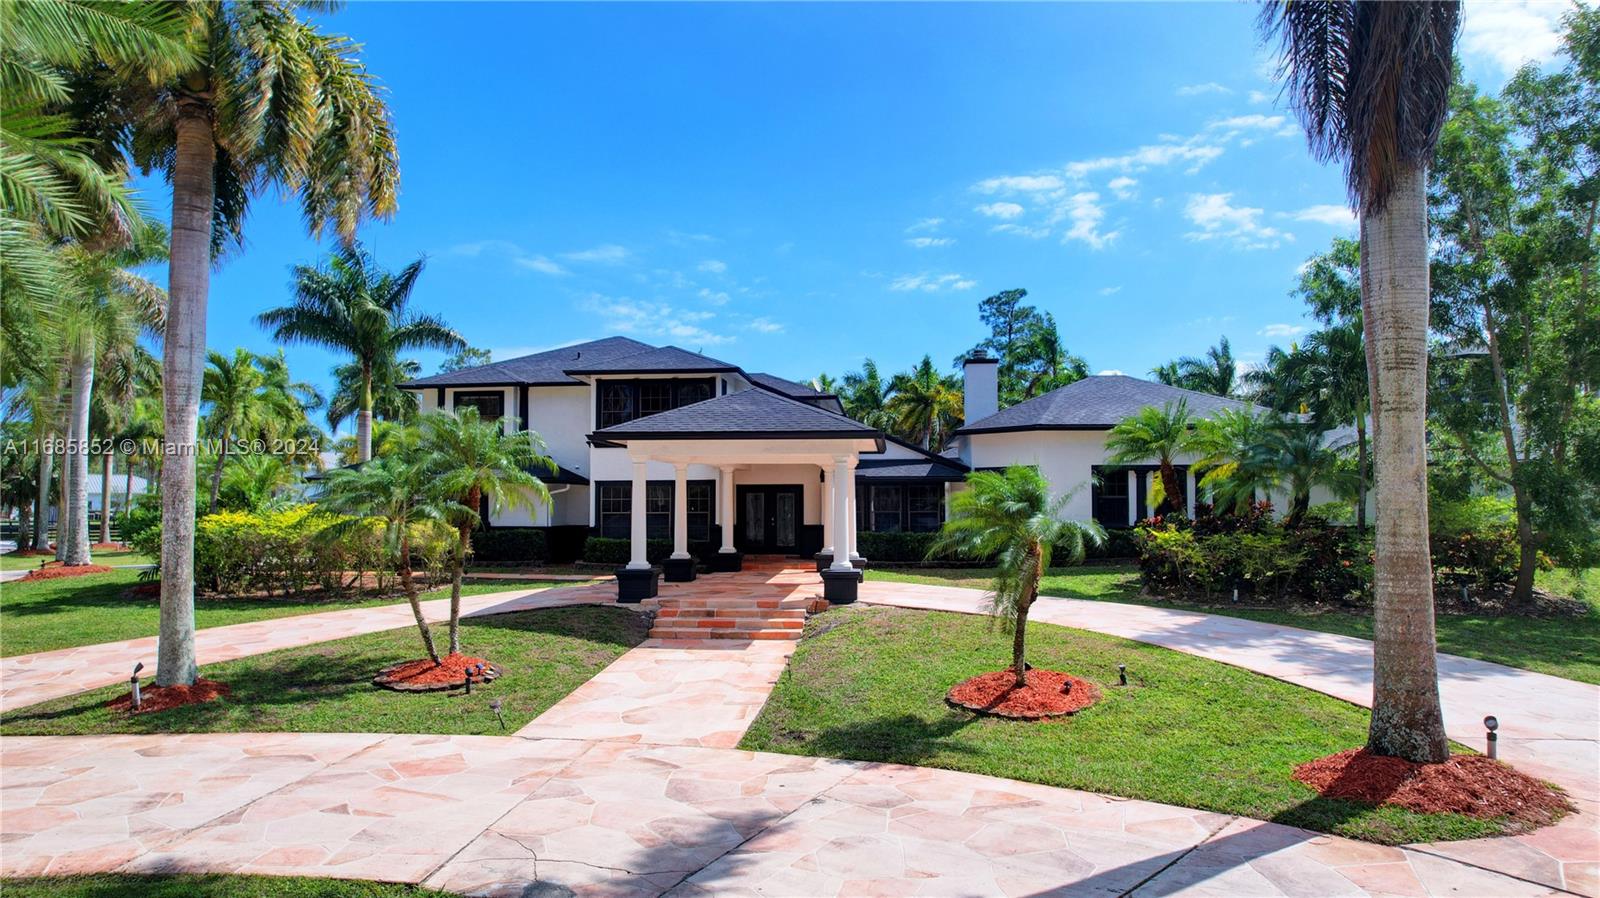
903 739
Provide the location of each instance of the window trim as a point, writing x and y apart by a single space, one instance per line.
710 514
867 512
498 395
634 387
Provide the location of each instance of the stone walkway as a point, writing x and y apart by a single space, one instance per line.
1549 727
28 679
506 816
671 692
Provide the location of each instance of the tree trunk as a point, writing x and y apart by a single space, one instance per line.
105 497
364 415
216 471
1174 495
1361 471
1406 719
183 360
127 491
1019 635
1527 555
77 529
411 596
24 525
474 497
41 527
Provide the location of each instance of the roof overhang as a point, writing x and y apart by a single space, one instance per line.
1021 428
743 448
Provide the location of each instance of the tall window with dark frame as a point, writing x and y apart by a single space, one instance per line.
614 509
621 401
491 405
924 507
616 403
702 500
911 507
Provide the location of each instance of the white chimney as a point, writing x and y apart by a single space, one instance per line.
981 376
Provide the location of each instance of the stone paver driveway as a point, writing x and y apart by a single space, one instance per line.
507 816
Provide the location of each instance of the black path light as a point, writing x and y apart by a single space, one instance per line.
1122 674
134 682
1492 723
494 706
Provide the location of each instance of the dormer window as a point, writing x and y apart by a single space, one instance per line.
491 404
616 403
621 401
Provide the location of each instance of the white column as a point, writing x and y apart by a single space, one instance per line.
827 513
725 495
852 518
680 511
639 560
1133 498
841 514
1190 474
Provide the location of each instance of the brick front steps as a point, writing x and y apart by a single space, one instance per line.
728 617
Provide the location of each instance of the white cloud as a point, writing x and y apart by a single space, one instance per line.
1108 371
930 283
518 256
714 266
1281 330
1084 213
605 254
715 297
1000 210
654 319
1110 291
1195 90
1122 186
1157 155
1257 97
926 242
765 326
1508 33
1279 125
1021 183
926 224
1328 214
1217 218
682 238
1021 231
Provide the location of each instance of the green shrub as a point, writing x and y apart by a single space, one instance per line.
1488 554
610 550
1265 560
509 545
896 547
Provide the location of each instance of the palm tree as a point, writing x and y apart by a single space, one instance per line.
924 405
257 482
1228 445
102 311
1216 372
396 492
265 99
472 462
1371 83
865 396
825 383
1009 516
124 370
1294 453
389 402
353 305
1167 374
1042 361
1158 433
1339 373
249 396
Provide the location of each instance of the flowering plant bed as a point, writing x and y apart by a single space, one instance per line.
422 675
1465 784
159 698
57 571
1049 693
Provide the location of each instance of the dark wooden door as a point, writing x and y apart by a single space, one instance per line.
768 519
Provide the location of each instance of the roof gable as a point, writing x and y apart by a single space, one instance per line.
1099 402
748 413
665 360
548 368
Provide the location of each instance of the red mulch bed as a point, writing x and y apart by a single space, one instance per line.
422 675
1466 784
108 547
1049 693
160 698
56 572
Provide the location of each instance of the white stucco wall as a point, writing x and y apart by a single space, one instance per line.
809 477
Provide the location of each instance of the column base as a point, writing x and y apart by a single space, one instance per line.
727 562
857 562
841 587
637 584
824 561
678 570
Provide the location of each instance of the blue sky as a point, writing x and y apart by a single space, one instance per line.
795 187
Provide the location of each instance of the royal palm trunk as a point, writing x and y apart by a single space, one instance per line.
183 355
364 416
1406 719
216 471
41 529
105 498
76 530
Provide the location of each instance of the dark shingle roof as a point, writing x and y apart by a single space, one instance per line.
911 469
746 414
666 360
547 368
1096 403
789 388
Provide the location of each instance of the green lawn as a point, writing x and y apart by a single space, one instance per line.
13 562
1563 647
868 684
327 687
55 614
199 886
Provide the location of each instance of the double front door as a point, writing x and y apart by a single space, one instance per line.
769 519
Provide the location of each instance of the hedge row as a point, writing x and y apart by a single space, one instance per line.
906 548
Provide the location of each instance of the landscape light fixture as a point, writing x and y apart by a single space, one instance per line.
133 681
1122 674
1492 723
494 706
